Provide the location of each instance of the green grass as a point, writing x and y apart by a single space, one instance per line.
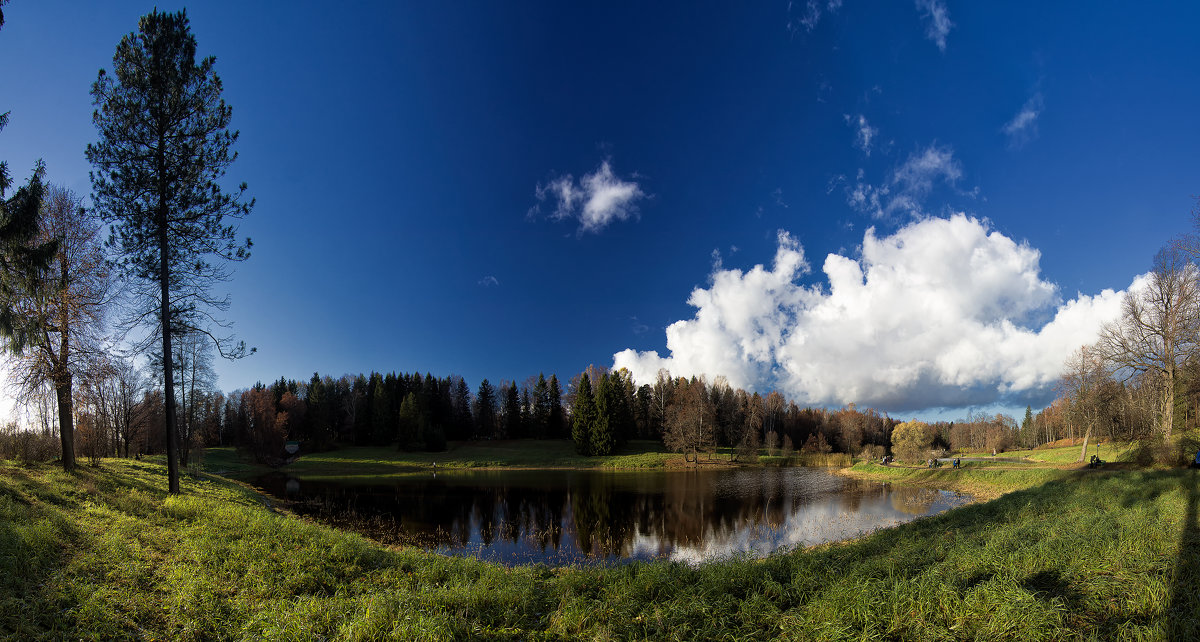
1108 451
352 461
105 554
985 480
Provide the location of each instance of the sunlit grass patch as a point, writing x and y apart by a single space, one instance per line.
1109 451
1063 555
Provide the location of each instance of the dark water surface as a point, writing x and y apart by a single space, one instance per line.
560 517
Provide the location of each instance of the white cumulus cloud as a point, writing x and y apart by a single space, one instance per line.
937 18
944 313
599 198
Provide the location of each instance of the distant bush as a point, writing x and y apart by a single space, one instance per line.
1178 451
27 447
870 452
827 460
772 443
817 443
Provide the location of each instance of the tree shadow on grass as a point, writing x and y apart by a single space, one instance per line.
1049 585
1184 613
33 539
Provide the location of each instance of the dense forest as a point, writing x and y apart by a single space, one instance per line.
118 413
119 408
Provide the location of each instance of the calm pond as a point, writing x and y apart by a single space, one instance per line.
560 517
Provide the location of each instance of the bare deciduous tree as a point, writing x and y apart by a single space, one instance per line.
114 386
64 310
1083 374
194 379
1158 328
690 424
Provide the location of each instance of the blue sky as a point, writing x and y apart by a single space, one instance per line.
499 189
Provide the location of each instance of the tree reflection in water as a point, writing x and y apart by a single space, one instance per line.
581 516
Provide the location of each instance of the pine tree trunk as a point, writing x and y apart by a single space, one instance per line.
165 319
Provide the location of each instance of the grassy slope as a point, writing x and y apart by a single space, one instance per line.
1108 451
105 554
982 479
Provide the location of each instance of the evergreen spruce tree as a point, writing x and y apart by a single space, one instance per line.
557 423
485 411
643 416
583 415
432 399
381 404
540 418
621 412
320 419
463 426
361 398
607 405
410 421
395 396
511 411
408 430
527 429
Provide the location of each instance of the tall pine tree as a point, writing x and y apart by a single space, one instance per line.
164 146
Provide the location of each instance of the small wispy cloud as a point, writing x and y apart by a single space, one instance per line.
811 15
1023 127
937 18
777 196
908 185
638 327
864 133
596 200
489 281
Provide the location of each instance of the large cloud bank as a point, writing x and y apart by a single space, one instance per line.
944 313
